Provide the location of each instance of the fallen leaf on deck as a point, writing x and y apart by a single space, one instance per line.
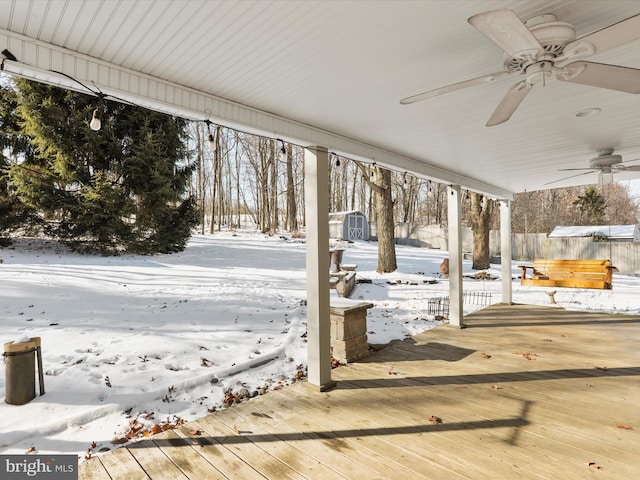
527 355
625 427
485 355
236 429
119 440
602 368
195 432
594 465
335 363
391 372
434 419
495 387
31 450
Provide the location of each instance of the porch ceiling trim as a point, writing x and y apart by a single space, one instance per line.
59 66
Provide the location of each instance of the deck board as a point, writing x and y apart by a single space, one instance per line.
547 399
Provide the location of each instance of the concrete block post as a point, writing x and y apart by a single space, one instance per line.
349 329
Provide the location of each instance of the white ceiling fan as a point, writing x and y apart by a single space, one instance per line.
542 46
606 163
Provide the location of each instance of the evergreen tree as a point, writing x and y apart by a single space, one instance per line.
14 213
115 189
591 205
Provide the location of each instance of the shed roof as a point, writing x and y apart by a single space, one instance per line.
611 231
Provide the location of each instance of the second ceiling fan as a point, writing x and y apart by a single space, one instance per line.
544 46
606 163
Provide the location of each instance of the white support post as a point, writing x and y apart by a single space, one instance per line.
454 207
316 181
505 251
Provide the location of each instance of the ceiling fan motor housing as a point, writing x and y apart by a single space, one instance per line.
605 159
551 34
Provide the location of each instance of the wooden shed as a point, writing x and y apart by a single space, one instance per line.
352 225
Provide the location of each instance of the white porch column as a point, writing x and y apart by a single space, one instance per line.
505 250
454 208
316 187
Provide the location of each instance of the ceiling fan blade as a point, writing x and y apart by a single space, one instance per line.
453 87
505 29
613 77
629 168
609 37
510 103
573 169
571 176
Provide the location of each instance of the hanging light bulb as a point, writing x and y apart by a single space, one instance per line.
210 140
95 124
283 152
337 161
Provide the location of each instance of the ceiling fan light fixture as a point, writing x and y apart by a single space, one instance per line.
587 112
606 177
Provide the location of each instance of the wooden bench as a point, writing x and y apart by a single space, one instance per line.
595 274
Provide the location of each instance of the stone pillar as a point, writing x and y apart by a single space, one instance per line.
349 329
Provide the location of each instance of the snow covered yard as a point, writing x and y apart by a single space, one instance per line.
132 344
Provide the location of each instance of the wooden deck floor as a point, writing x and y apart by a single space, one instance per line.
524 392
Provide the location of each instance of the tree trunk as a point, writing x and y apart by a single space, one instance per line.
291 222
215 189
265 206
379 180
219 177
202 186
481 208
273 155
386 225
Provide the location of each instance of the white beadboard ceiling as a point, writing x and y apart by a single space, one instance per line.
332 73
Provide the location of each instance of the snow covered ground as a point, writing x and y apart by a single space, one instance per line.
132 345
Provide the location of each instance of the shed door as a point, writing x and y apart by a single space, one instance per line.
355 227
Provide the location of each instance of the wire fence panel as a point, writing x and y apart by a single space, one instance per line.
439 306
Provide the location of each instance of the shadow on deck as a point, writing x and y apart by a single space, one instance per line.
524 392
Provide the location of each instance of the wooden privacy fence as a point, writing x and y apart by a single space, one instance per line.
526 247
625 256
